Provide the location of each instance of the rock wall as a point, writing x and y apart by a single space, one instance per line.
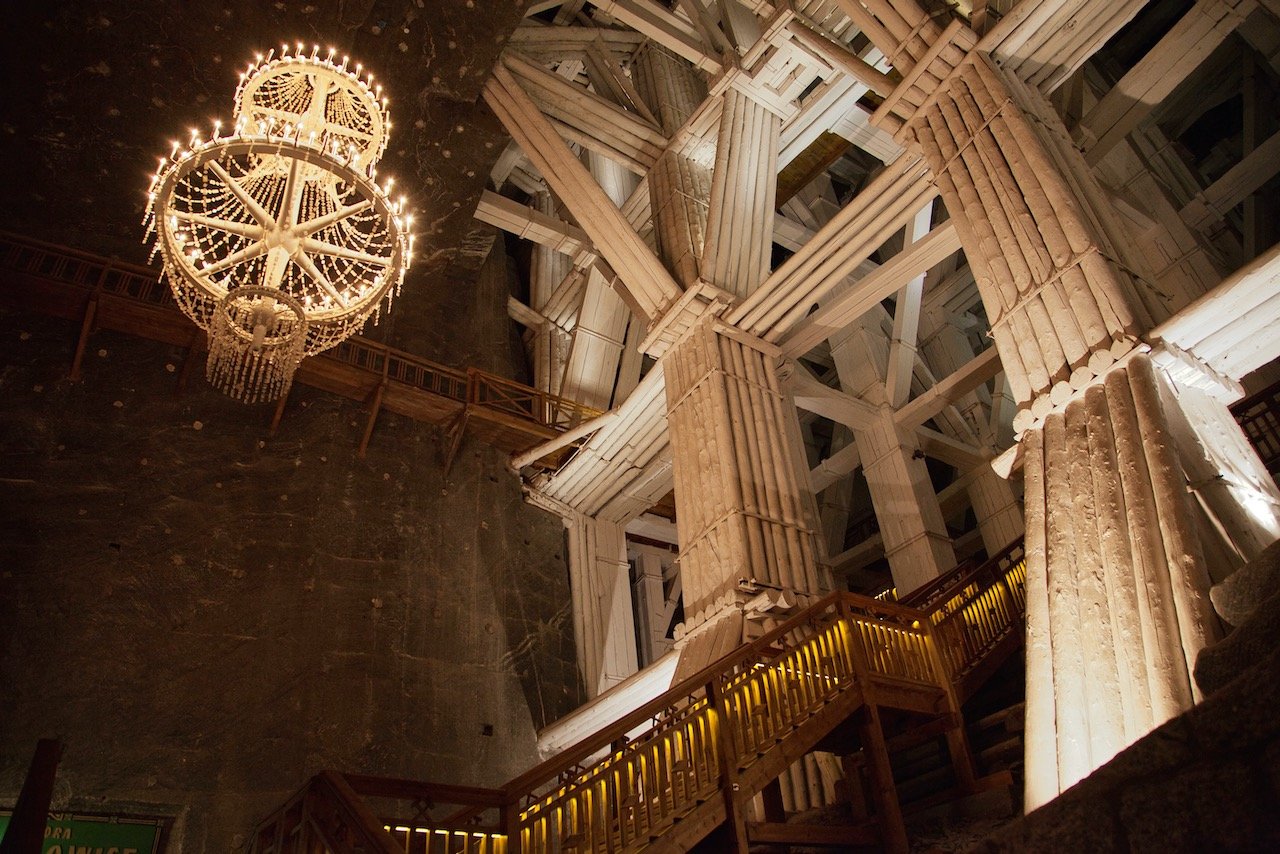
207 616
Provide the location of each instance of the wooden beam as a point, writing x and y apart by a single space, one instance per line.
532 224
946 391
890 277
842 58
951 451
812 395
643 275
906 319
524 315
664 27
835 467
596 123
838 248
375 407
1173 59
1238 183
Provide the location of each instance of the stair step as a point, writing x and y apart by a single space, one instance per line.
1012 715
1010 748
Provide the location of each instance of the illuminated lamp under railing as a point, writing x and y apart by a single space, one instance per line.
276 239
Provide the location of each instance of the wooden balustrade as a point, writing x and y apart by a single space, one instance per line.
1259 417
87 275
668 763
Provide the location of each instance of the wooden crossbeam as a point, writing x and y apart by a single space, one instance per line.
889 278
532 224
1179 53
664 27
648 283
837 249
595 122
981 368
1238 183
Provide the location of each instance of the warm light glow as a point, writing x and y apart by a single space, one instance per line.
281 248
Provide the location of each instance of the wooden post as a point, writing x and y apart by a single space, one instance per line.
86 329
89 323
735 827
883 791
279 412
188 361
374 408
31 813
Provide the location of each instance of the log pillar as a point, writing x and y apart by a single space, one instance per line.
604 625
739 237
916 542
679 183
997 509
548 269
746 520
1117 584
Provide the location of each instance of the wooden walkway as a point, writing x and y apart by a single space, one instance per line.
851 674
103 293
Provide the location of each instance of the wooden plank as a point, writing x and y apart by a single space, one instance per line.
532 224
645 278
665 28
890 277
1144 86
974 373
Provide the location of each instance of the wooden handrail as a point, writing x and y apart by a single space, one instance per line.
325 814
942 588
692 685
136 282
707 731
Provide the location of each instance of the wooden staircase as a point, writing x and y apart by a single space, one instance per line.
851 674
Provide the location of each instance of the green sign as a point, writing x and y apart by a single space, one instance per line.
90 834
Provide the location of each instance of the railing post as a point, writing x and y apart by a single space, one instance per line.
734 822
884 793
957 739
509 820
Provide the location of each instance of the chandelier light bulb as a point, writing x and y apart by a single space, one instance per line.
279 243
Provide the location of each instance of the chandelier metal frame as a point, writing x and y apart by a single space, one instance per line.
280 224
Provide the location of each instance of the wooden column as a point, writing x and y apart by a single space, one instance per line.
997 509
604 626
916 541
738 246
743 515
548 269
1117 604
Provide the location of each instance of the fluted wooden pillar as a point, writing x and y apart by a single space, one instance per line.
1117 589
745 521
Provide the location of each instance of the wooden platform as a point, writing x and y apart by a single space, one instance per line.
103 293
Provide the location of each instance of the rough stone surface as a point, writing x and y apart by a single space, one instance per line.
207 616
1240 594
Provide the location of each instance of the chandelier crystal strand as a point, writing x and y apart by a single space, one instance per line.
275 238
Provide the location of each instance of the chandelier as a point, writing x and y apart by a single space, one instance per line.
276 238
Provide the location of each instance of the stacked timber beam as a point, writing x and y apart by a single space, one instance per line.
744 524
1060 299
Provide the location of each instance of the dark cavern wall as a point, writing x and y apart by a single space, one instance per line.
207 616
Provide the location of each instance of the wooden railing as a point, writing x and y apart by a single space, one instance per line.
648 773
326 815
96 274
1259 417
513 398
